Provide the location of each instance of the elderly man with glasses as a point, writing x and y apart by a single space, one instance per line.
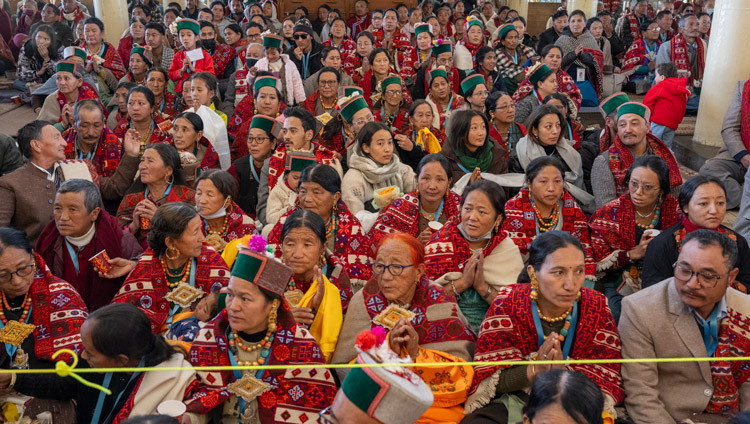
694 314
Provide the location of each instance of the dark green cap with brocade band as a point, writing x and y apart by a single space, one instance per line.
298 161
263 271
538 74
471 81
420 28
351 107
435 73
266 81
440 46
473 20
505 30
190 24
393 79
267 124
634 107
350 90
611 103
272 41
68 66
71 51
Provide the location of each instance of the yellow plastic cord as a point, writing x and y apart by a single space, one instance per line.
64 370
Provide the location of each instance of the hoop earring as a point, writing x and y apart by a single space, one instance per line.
167 180
172 257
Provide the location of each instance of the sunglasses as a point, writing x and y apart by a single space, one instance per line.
301 36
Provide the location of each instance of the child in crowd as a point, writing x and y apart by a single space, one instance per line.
120 103
283 197
667 100
203 312
281 67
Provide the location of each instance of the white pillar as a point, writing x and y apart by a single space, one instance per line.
726 63
587 6
522 6
114 14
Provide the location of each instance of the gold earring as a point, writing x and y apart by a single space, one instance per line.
323 258
534 295
272 316
172 257
171 177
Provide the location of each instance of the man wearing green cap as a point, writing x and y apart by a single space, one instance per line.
633 140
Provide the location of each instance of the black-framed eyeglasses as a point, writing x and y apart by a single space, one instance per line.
395 270
327 417
23 271
302 36
257 140
706 280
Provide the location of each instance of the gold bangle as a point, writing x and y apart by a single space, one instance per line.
12 381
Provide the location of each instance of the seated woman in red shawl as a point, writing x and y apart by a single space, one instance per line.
417 137
320 191
552 57
431 328
351 114
503 126
380 68
176 271
257 328
222 220
440 96
622 229
166 104
553 318
544 205
151 128
472 257
160 181
197 155
266 100
422 212
58 106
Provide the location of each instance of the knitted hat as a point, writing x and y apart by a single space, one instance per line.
350 107
435 73
473 20
350 90
471 81
298 161
190 24
263 271
538 73
75 51
504 30
611 103
303 25
267 124
441 46
266 81
68 66
423 27
634 107
393 79
272 41
393 395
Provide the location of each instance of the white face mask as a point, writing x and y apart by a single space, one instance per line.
218 214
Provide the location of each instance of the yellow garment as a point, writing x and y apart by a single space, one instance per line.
328 319
220 113
433 145
449 385
231 250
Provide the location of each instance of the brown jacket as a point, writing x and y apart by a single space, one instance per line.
27 197
655 323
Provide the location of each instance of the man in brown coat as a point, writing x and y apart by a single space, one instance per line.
28 193
695 314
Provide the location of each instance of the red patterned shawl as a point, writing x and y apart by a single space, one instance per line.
373 94
169 106
239 125
402 215
298 394
130 200
401 50
107 155
238 224
457 102
112 59
351 64
728 376
159 133
57 311
277 163
146 285
85 91
637 55
745 115
613 226
445 330
353 247
508 333
503 139
565 84
620 160
682 60
223 55
612 6
399 124
447 250
335 144
520 223
635 32
346 47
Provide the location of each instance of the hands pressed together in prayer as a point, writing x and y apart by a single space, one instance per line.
404 340
549 351
306 316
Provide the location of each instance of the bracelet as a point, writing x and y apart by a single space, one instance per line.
489 292
455 293
12 381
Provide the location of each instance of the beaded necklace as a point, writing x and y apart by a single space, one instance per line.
325 106
654 222
235 345
24 314
330 227
546 224
224 227
184 274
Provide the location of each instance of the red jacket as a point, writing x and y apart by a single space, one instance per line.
175 70
667 101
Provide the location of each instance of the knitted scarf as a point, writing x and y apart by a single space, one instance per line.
745 115
682 61
635 31
620 159
375 173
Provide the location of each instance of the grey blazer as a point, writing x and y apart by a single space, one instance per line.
655 323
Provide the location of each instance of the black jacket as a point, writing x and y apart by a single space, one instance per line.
549 36
313 63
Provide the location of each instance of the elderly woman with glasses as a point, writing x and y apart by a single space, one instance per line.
431 328
501 111
703 203
622 229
